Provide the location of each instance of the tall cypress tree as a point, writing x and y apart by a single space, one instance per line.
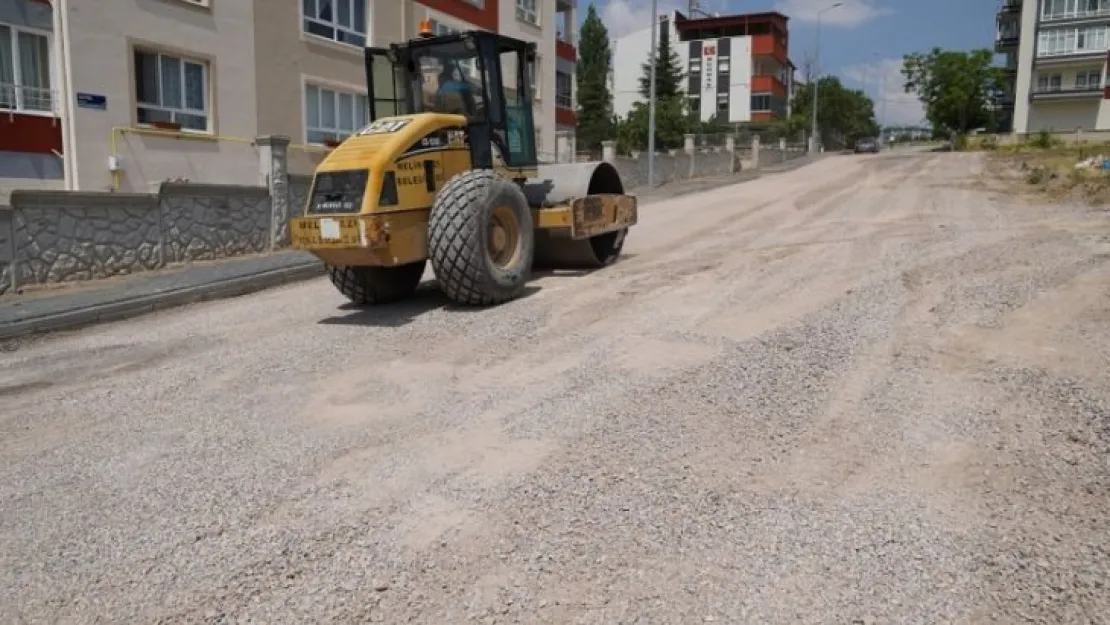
595 102
669 72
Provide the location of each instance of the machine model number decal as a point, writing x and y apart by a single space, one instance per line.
384 127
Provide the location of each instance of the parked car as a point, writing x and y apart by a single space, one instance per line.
867 145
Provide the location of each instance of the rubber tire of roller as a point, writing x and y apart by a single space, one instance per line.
367 286
457 246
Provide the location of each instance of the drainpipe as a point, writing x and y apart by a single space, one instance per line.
65 89
60 103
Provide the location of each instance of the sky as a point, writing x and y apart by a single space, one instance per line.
862 41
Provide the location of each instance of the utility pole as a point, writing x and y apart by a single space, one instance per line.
651 95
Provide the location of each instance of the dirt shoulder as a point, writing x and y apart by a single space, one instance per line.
1058 174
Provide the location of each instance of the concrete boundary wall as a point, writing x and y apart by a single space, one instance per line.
62 236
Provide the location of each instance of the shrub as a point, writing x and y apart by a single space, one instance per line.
1043 140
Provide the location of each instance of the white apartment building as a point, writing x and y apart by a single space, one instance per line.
129 95
1056 54
736 65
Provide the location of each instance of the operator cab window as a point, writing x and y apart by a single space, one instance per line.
447 81
520 142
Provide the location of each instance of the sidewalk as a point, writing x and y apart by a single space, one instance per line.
85 303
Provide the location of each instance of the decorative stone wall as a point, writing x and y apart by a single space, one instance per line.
298 193
60 236
205 222
5 249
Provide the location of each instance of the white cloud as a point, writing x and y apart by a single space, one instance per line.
627 16
850 13
883 82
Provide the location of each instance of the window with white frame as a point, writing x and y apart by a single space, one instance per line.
171 89
1090 79
1050 82
722 64
333 114
470 65
1066 9
25 70
564 90
1061 41
527 11
343 21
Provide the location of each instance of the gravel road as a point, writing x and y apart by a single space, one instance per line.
871 390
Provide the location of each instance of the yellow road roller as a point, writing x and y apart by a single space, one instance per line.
445 171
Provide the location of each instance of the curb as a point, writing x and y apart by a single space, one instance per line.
144 304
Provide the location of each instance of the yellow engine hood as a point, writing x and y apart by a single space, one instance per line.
379 144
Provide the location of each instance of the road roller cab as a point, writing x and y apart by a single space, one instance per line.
446 173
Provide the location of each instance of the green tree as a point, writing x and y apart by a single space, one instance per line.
595 103
672 121
956 87
671 125
843 115
669 72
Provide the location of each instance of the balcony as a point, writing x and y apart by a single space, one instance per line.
1070 92
1007 39
769 45
26 99
768 84
1067 56
564 49
1010 7
1077 14
566 29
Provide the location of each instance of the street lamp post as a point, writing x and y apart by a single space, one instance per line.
651 96
817 75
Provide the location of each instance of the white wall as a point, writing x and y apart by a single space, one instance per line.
1067 115
740 87
630 52
1026 51
101 54
544 37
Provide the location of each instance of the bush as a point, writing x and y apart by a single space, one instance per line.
1043 140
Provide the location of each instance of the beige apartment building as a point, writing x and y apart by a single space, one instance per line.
130 94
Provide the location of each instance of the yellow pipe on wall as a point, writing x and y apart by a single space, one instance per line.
117 132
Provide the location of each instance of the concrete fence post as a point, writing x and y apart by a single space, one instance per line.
563 152
730 143
755 152
609 151
273 169
688 143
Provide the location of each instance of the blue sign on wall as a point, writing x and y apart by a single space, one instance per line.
92 101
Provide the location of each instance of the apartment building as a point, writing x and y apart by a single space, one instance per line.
1056 58
30 132
737 66
142 91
